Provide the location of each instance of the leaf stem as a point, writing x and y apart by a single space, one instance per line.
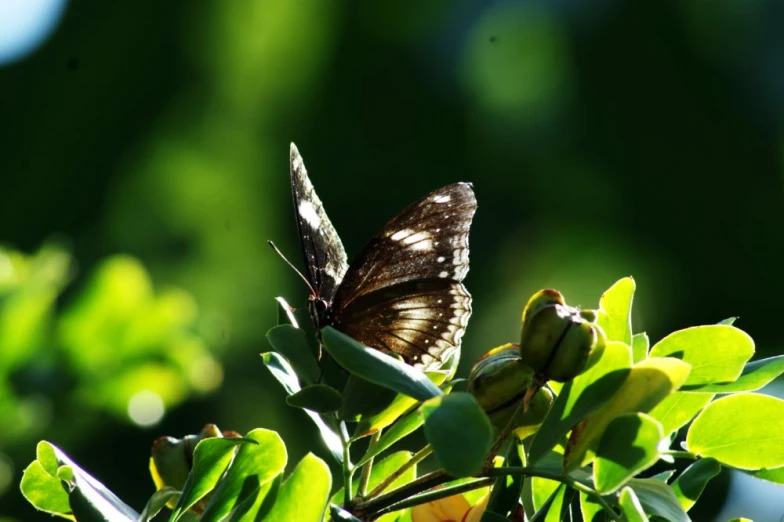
680 454
565 479
437 494
348 470
364 478
416 458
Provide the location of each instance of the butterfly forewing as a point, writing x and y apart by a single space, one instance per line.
403 293
321 245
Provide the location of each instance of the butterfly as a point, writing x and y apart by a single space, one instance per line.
403 294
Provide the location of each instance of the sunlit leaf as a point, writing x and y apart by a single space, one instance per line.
630 506
745 431
252 467
629 445
691 483
211 457
581 396
645 386
657 498
640 346
754 376
303 495
679 408
615 308
716 353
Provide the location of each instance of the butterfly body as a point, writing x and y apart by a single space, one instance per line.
403 294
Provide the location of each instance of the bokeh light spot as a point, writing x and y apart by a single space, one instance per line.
6 472
146 408
25 25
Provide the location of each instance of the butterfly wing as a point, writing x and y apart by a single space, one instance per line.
322 249
404 294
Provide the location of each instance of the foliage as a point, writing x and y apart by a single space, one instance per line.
604 430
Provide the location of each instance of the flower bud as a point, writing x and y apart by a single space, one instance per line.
171 459
499 382
498 377
557 339
528 421
541 299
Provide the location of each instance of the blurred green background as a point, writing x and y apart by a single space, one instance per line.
144 165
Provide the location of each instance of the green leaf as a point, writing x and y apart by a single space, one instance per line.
629 445
44 491
615 311
744 431
755 375
338 514
282 371
775 475
361 397
640 346
678 409
211 457
506 491
691 483
645 386
378 367
580 397
252 467
459 432
545 492
658 499
398 407
284 310
380 471
591 510
400 429
728 321
303 496
716 353
43 488
316 397
157 501
292 343
630 506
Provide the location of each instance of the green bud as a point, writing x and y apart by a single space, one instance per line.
171 459
528 421
557 339
539 300
498 377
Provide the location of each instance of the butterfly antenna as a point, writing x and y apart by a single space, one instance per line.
277 250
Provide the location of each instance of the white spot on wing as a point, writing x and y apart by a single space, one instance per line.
443 274
442 199
400 234
309 214
441 259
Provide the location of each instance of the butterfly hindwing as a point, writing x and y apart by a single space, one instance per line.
403 294
324 254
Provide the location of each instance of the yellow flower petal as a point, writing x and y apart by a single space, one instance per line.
450 509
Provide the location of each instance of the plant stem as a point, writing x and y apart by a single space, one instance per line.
680 454
364 478
347 468
437 494
565 479
416 458
419 485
